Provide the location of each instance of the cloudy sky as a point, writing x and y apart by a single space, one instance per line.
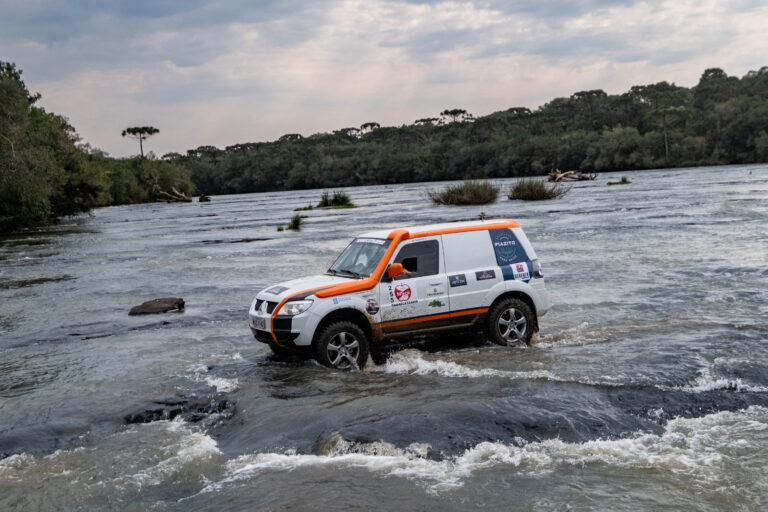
234 71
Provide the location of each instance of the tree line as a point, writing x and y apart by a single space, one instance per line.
46 172
721 120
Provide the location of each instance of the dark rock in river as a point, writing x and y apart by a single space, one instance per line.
158 306
204 198
190 409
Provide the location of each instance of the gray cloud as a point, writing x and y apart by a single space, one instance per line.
217 72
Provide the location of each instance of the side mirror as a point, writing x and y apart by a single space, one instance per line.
394 270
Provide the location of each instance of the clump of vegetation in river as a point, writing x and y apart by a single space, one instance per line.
468 192
295 223
45 173
623 181
537 190
339 199
303 208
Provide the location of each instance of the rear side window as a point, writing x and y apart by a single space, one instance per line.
419 259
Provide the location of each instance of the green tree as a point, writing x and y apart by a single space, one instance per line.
140 133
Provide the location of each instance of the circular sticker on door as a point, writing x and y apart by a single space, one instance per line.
402 292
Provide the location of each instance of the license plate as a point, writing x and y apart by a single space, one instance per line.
260 323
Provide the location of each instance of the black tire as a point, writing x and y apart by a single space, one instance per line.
342 345
510 322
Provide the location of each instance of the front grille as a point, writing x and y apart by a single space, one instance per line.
271 307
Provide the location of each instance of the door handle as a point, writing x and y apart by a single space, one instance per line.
435 284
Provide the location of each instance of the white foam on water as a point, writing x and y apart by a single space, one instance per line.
124 463
706 381
221 384
184 453
581 334
412 362
698 447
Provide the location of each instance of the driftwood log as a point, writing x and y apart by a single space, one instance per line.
557 175
175 196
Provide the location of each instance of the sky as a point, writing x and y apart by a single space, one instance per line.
234 71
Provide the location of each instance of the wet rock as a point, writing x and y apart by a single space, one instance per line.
189 409
158 306
204 198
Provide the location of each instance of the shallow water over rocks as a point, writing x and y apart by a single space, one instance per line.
647 387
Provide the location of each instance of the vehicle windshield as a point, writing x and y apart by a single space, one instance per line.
360 257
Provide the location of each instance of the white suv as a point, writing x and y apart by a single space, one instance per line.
405 282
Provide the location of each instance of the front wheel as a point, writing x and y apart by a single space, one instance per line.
510 322
342 345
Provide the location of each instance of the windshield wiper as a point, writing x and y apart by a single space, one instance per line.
343 273
350 272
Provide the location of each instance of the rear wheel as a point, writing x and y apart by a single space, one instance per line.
510 322
342 345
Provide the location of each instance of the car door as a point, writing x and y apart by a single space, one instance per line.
472 271
417 299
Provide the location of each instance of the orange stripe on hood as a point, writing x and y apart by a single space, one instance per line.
369 282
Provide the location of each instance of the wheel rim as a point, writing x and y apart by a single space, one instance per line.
343 350
512 325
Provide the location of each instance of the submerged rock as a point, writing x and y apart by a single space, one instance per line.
158 306
190 409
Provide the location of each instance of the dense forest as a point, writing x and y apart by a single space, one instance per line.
46 172
722 120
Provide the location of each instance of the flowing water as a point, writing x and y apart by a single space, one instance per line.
647 388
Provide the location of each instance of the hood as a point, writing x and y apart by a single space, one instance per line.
309 284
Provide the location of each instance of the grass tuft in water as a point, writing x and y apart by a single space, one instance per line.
530 189
339 200
469 192
623 181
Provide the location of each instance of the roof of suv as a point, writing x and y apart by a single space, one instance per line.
448 227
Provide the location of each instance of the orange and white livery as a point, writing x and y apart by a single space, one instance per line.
404 282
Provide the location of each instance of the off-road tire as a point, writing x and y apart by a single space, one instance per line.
510 322
342 345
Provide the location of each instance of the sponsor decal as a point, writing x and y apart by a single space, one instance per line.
520 271
458 280
376 241
506 246
435 304
337 300
402 294
372 306
276 290
482 275
435 293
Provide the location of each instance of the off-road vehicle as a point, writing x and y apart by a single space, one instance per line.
403 282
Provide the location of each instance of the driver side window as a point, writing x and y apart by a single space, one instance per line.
419 259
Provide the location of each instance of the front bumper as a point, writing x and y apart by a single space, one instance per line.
286 329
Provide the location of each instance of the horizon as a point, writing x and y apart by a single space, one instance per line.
224 74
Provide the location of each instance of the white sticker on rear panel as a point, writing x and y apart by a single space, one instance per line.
520 271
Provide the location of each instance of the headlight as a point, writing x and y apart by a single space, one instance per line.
294 308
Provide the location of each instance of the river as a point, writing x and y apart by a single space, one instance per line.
646 389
